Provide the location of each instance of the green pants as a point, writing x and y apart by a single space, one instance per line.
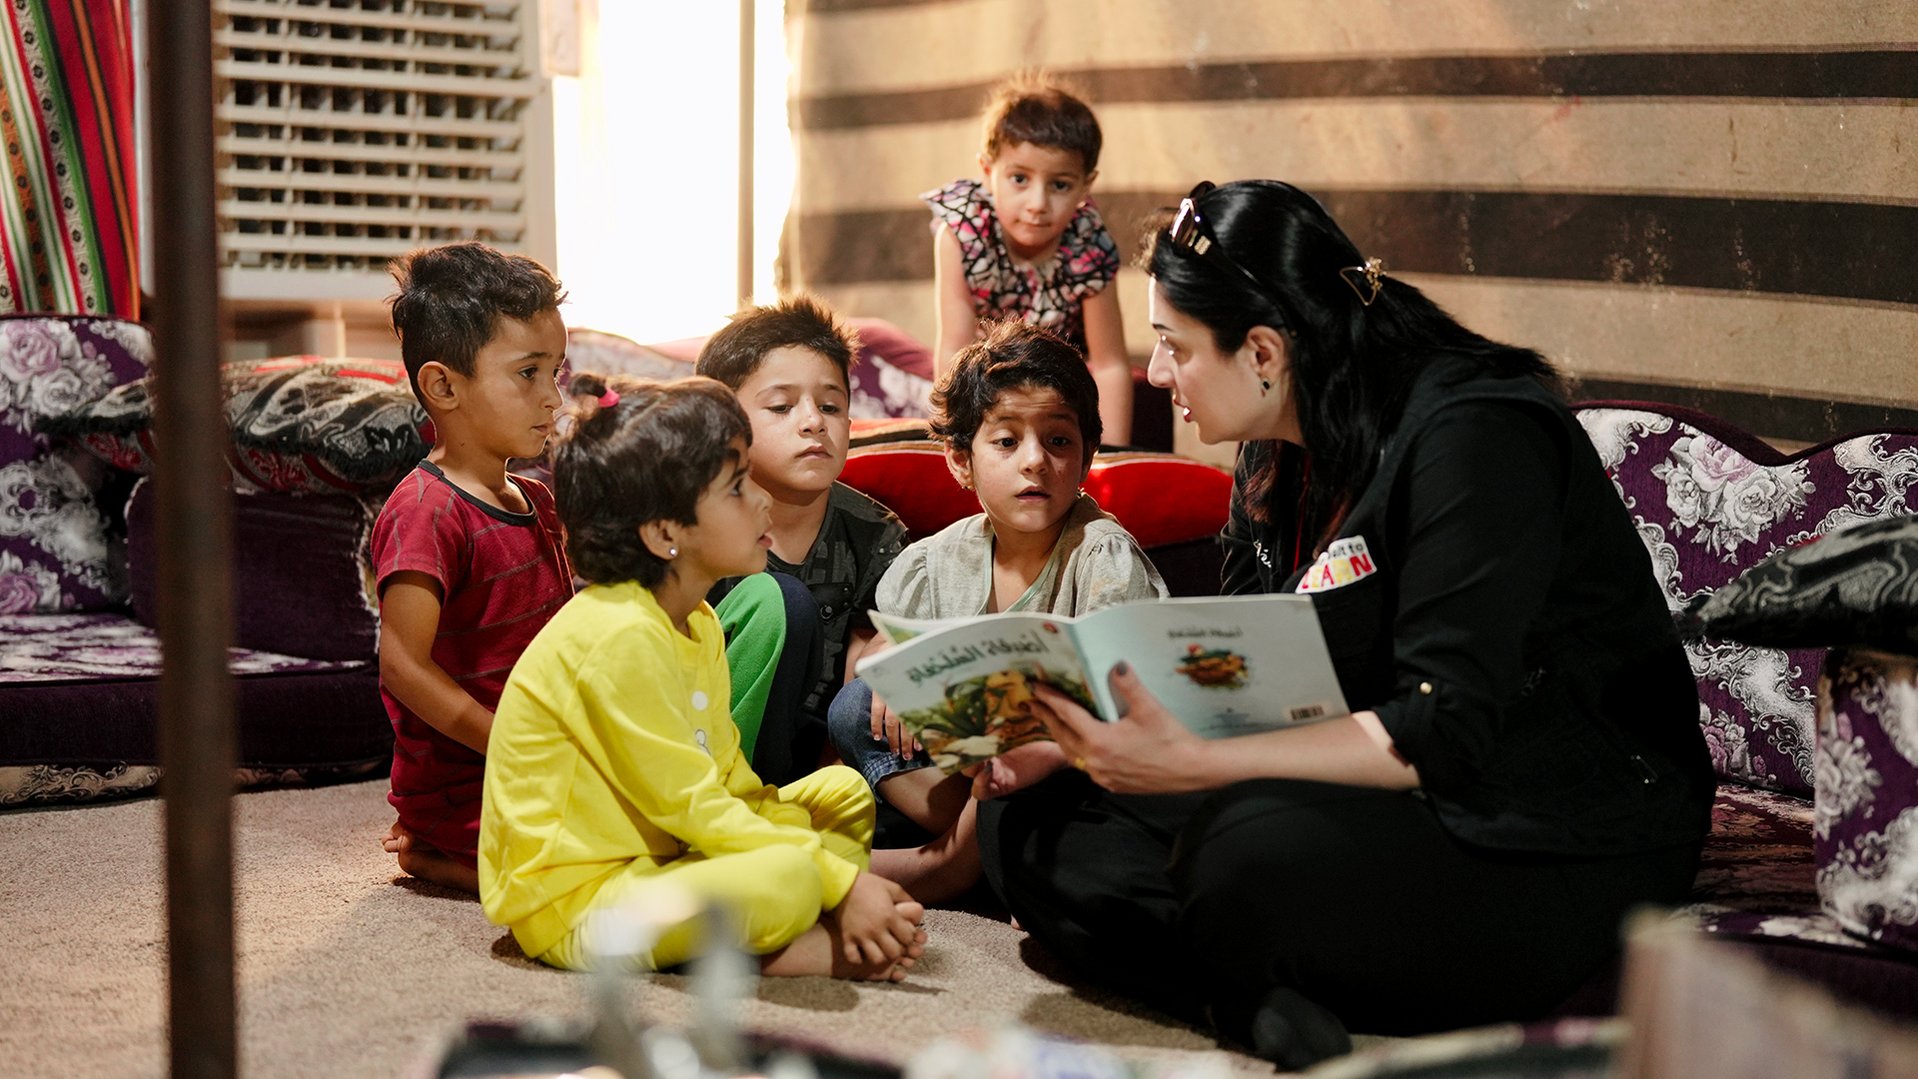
753 615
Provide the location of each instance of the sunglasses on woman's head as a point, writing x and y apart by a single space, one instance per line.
1189 233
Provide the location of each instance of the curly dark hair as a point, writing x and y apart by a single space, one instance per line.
648 457
1352 365
452 297
737 350
1012 356
1040 109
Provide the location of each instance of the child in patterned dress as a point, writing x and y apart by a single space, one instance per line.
1026 244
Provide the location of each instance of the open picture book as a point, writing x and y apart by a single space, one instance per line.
1224 666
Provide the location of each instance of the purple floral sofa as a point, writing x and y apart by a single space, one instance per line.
1826 886
79 658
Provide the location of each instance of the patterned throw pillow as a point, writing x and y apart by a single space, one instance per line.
61 539
1855 586
1710 502
300 424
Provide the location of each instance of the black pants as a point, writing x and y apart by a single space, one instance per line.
1354 897
790 739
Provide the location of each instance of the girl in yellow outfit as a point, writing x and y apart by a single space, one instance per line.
614 768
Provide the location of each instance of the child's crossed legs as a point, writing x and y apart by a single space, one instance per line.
774 898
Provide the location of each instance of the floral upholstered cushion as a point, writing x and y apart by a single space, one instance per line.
79 712
894 374
1865 829
60 531
300 424
1857 586
1710 502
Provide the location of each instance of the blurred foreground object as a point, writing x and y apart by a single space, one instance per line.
1702 1010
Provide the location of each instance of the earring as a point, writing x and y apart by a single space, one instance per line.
1265 387
672 552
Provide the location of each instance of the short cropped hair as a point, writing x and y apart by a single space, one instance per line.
1040 110
1012 356
451 299
646 457
737 350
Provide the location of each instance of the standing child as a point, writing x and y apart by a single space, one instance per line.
1027 244
789 364
1019 416
470 562
615 772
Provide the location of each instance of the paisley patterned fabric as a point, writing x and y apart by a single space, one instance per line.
300 424
1857 586
60 534
1865 829
1709 502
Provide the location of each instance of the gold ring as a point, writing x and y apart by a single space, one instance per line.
1079 763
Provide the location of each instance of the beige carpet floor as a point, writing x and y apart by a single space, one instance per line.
348 969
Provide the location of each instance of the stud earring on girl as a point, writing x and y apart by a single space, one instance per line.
672 552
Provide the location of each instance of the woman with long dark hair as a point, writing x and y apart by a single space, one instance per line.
1523 762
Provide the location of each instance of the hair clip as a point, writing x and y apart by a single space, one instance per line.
1371 273
609 398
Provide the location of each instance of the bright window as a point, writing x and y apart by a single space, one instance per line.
647 168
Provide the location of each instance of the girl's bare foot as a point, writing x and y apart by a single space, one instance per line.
421 859
819 951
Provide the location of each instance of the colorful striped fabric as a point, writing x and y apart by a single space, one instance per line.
69 207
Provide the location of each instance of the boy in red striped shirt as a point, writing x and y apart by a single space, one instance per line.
470 561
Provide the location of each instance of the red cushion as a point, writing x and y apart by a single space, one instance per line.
912 480
1160 498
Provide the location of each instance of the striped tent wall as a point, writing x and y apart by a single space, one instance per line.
1712 203
68 224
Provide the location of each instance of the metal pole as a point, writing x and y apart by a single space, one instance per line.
190 478
746 61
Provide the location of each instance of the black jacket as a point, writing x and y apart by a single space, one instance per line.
1500 614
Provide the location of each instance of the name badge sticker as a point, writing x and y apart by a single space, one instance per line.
1347 560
